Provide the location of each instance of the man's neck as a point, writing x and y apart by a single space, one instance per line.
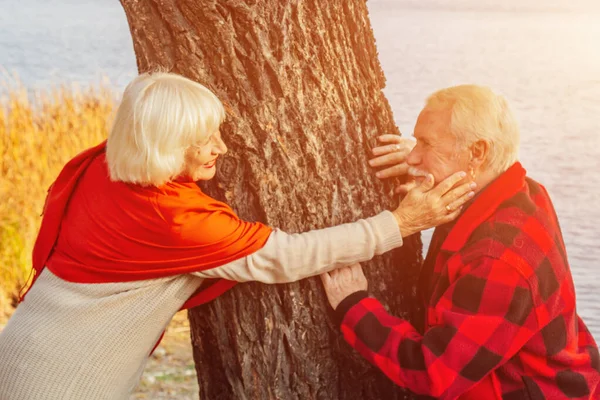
482 179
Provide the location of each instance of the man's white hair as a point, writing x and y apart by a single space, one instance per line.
160 116
477 113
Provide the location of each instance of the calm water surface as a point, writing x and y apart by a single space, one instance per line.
546 63
548 66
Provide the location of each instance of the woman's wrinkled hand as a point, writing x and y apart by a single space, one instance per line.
341 283
426 206
391 154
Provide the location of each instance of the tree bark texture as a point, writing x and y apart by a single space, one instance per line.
303 88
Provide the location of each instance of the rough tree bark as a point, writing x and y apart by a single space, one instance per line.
303 88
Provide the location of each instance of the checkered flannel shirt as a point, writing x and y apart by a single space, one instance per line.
501 320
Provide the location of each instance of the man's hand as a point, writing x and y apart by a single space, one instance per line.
342 282
392 153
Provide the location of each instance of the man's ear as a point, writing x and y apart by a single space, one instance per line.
480 151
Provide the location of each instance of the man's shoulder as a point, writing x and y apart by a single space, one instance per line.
529 204
522 232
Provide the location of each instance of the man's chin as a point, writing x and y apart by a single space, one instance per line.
417 175
418 180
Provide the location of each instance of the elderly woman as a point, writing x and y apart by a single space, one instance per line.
128 239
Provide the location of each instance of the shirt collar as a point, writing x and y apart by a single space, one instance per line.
484 205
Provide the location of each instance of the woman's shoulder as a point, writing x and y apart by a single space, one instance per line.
179 203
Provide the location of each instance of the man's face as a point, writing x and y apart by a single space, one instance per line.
436 151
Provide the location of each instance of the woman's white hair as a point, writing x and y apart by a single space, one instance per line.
477 113
160 116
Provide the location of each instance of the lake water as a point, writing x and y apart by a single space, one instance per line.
545 61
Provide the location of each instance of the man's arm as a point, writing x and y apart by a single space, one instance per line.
483 319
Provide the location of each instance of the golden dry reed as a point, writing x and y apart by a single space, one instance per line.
39 132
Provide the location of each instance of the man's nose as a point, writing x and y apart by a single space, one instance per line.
413 158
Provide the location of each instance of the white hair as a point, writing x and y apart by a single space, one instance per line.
477 113
160 116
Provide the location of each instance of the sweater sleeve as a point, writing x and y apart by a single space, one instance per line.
291 257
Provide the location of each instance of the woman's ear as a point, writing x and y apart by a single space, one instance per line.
479 153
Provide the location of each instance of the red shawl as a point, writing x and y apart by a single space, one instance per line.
98 231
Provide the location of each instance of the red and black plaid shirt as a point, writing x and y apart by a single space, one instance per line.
501 321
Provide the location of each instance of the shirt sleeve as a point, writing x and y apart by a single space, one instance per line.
291 257
483 319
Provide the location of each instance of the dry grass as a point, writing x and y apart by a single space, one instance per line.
39 132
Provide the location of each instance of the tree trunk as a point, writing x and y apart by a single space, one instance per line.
303 88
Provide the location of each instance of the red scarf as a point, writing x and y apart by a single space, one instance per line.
98 231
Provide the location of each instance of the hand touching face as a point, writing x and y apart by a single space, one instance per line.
391 154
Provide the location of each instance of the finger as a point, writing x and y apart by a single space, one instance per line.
427 184
326 279
390 138
456 204
449 183
458 192
396 170
406 187
389 148
402 145
356 269
452 216
359 273
345 273
392 158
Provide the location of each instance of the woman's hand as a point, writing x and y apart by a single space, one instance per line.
392 153
426 206
341 283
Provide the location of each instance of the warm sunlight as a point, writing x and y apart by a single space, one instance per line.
225 199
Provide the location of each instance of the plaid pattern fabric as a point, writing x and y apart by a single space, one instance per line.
501 321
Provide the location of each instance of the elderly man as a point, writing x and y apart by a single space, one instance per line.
501 321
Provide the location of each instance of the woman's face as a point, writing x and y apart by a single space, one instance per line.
201 158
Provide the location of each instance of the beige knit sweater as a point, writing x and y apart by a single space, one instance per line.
71 341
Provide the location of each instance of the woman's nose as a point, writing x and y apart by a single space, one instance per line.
220 147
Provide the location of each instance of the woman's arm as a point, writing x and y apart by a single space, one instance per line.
291 257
